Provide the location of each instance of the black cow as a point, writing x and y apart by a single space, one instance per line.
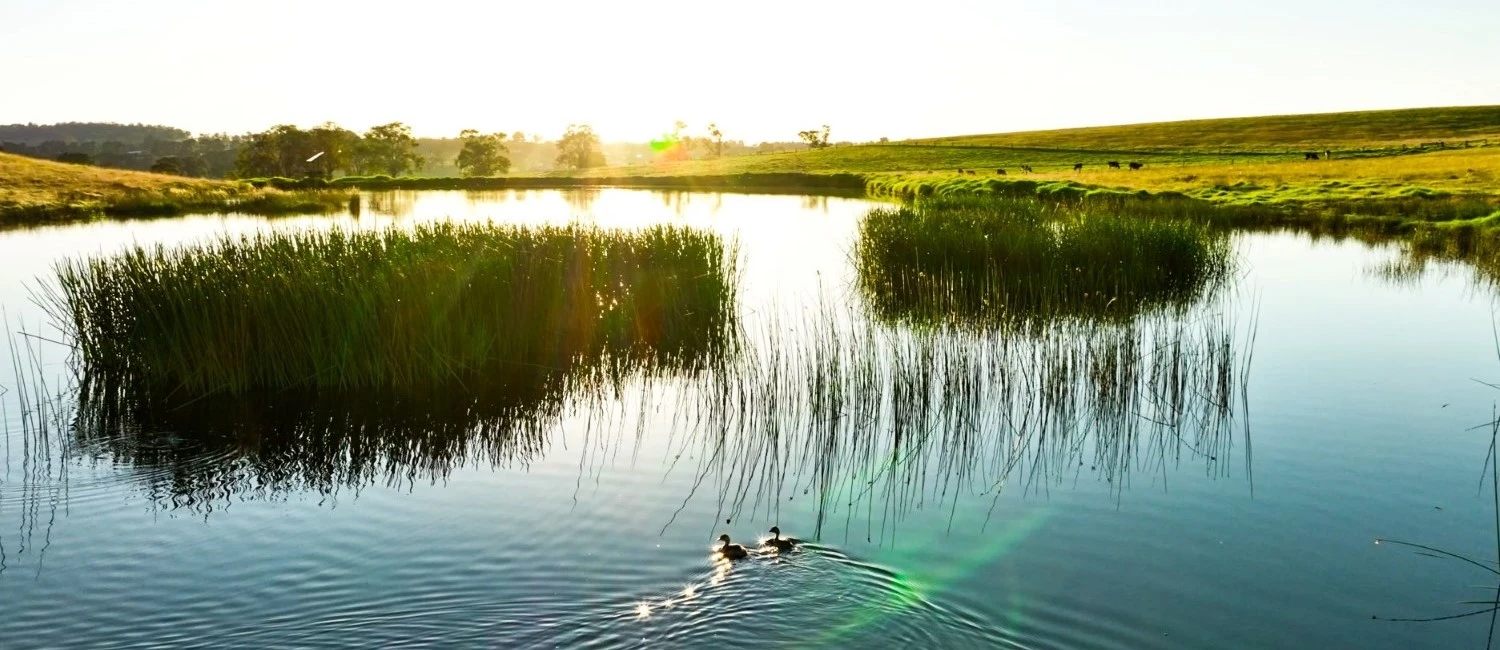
960 171
972 172
1000 172
1114 164
1135 166
1026 168
1077 167
1311 155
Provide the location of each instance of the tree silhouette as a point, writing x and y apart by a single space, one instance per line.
389 149
579 148
167 165
716 139
482 155
814 139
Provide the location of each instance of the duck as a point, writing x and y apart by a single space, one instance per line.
777 542
731 551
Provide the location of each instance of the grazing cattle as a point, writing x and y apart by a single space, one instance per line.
960 171
1114 164
1135 166
972 173
1000 172
1026 168
1077 167
1311 155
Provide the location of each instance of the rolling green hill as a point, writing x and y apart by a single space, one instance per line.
1282 138
1275 133
1375 155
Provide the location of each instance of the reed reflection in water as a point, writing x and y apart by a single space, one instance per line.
832 406
862 415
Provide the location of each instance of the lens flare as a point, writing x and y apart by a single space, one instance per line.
664 143
907 593
670 147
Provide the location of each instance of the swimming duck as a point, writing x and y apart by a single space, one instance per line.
776 541
731 551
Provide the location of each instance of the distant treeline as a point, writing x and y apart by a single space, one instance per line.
75 132
284 150
208 156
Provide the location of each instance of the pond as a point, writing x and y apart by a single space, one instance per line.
1066 486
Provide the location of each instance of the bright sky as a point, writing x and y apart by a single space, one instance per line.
762 70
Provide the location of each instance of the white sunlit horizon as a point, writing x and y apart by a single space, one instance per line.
761 72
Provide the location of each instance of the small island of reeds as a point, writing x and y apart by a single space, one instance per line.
988 260
461 307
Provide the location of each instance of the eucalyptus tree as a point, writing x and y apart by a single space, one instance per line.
579 148
482 154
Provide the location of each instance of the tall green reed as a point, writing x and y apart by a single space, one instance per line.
436 307
977 260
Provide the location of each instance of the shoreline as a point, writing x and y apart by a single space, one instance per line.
1401 214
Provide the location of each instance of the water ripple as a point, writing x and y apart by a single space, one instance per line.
815 597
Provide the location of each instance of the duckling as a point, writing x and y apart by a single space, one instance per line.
776 542
731 551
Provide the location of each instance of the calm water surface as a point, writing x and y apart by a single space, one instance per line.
592 527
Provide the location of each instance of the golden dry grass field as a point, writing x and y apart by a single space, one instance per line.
30 183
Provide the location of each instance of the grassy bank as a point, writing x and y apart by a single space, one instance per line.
438 307
787 182
1394 214
1389 195
992 261
1440 174
34 191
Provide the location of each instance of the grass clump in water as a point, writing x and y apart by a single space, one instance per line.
972 260
438 307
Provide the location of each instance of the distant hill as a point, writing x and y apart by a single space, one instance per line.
28 183
36 134
1229 141
1313 132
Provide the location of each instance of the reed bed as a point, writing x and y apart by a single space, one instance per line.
870 420
873 421
987 261
437 307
